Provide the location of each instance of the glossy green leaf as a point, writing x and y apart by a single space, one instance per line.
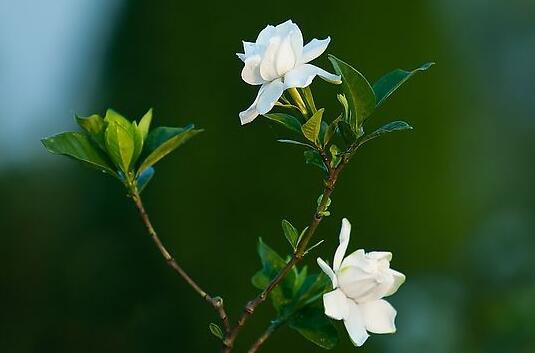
292 142
144 124
311 129
336 156
78 146
358 92
390 82
313 158
347 134
216 330
343 101
137 135
95 126
300 279
331 130
390 127
309 99
312 324
162 141
272 263
313 288
120 145
291 234
286 120
113 116
325 213
144 178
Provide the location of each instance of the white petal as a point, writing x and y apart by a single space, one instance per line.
297 44
399 279
345 233
379 316
268 66
251 70
336 305
265 35
357 259
314 48
285 28
251 113
328 271
302 76
380 255
363 286
249 49
269 96
285 57
355 325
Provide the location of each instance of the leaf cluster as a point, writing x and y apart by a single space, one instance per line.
123 149
327 143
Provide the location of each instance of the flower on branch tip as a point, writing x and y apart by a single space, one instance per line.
360 281
278 61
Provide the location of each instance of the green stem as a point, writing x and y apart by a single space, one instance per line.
263 338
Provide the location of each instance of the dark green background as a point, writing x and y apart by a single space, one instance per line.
453 199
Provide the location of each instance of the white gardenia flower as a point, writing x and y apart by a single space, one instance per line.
278 61
360 281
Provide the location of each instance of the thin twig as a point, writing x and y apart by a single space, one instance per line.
215 302
251 306
260 341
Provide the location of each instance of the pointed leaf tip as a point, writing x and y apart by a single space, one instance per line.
390 82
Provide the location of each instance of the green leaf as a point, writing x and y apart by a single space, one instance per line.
162 141
309 99
390 127
286 120
313 288
311 129
290 233
216 330
292 142
144 124
331 130
312 324
78 146
358 92
95 126
302 234
120 145
343 101
144 178
300 278
272 263
325 213
336 156
313 158
348 135
137 135
390 82
113 116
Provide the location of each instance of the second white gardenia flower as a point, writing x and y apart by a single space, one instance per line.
360 281
278 61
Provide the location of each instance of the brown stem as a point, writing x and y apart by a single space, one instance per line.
215 302
251 306
260 341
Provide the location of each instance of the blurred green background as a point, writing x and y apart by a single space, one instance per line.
454 199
